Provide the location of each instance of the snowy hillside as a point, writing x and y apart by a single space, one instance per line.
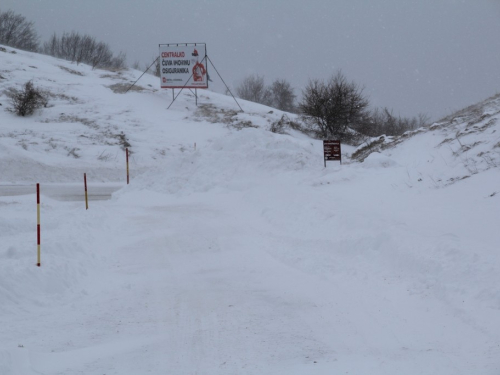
455 148
233 250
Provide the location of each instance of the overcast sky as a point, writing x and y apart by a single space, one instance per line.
415 56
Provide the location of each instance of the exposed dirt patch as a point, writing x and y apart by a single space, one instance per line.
209 112
75 72
122 88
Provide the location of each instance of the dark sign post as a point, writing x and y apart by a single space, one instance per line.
331 150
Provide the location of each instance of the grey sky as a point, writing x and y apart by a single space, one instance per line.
430 56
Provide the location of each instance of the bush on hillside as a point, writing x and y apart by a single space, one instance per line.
84 49
26 101
278 95
154 67
17 32
253 89
384 122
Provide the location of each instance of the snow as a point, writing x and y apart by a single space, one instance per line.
243 255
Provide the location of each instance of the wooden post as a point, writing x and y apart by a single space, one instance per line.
127 167
38 223
86 195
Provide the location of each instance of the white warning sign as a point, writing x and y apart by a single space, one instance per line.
183 66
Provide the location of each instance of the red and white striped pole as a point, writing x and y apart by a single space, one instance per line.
126 150
38 223
86 196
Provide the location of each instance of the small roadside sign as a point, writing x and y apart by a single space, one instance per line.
331 151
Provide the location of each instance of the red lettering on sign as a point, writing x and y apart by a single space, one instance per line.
172 54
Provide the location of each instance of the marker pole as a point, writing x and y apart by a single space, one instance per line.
86 195
38 223
126 150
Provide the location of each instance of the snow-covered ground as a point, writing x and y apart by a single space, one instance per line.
242 254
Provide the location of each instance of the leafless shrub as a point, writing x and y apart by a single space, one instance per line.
73 152
279 126
83 49
26 101
17 32
332 107
122 140
383 121
280 95
253 89
155 68
136 65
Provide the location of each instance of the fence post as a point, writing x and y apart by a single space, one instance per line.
38 223
126 150
86 195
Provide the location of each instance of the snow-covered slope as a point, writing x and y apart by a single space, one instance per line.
242 254
452 149
89 121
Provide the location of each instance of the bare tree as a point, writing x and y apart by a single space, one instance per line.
281 95
65 47
17 32
101 55
383 121
83 49
136 65
74 45
253 89
154 67
334 107
118 61
51 47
